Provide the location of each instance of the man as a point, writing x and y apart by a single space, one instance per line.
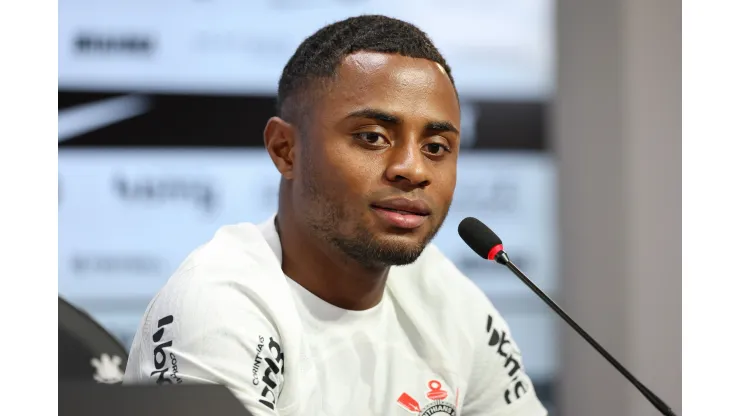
339 305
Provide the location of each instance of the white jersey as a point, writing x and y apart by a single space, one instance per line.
434 345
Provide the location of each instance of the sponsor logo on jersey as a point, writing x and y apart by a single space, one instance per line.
164 374
273 357
257 361
436 406
501 341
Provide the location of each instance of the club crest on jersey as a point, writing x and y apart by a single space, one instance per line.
437 405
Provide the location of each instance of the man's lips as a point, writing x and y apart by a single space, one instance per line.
402 213
404 206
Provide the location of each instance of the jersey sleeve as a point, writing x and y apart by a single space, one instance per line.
499 384
204 328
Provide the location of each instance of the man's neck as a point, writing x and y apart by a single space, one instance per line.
325 271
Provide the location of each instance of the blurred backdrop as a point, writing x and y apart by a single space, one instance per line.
161 111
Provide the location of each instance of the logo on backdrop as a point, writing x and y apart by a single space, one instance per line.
499 197
116 263
120 44
437 404
200 194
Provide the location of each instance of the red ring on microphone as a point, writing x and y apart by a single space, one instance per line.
494 251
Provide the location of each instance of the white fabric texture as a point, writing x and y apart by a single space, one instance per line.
434 345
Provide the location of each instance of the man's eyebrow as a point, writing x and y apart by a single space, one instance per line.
380 115
375 114
441 126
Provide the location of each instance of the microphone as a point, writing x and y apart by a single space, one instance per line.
488 245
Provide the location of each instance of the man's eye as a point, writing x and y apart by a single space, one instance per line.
370 138
437 148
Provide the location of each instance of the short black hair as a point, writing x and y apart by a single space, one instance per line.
319 56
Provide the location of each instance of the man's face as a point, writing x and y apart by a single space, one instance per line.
376 165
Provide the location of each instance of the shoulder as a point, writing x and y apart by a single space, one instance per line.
234 273
228 294
477 337
232 247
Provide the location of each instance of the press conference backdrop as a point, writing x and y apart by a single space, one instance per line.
161 111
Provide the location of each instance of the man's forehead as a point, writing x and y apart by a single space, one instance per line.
363 61
379 76
368 62
393 83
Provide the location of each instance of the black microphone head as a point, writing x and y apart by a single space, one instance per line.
478 236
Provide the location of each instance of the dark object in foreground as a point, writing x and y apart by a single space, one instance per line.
87 352
90 399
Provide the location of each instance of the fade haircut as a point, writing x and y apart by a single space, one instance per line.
317 58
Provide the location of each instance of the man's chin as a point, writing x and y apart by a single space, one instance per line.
398 250
395 258
379 247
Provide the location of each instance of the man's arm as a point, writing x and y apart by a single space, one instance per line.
499 385
210 329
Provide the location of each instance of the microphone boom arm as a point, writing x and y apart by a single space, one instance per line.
502 258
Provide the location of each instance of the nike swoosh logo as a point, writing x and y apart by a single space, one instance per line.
85 118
